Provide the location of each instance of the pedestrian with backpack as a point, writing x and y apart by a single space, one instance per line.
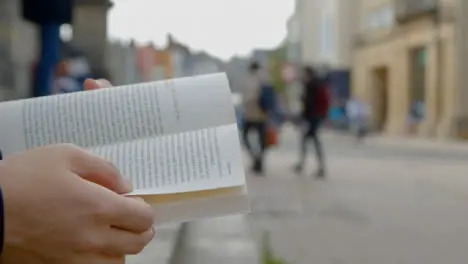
259 102
315 103
358 113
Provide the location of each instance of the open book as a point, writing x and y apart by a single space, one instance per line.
177 140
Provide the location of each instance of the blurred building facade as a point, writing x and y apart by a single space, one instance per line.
122 63
320 34
404 60
236 69
203 63
90 33
19 43
18 49
325 32
154 64
294 59
293 45
131 63
180 54
163 65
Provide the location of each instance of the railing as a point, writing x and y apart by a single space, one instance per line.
408 9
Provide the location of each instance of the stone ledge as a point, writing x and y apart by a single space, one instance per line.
161 249
107 3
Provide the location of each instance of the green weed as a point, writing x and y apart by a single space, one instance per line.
267 254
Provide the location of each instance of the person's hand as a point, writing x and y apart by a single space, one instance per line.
91 84
61 205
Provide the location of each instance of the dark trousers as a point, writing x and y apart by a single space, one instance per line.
361 133
257 156
312 134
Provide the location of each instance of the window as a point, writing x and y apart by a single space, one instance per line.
388 15
326 36
294 30
374 20
380 17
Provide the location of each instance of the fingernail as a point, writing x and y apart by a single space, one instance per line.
127 184
102 83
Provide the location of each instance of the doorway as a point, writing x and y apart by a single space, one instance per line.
380 98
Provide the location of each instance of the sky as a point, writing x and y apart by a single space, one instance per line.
223 28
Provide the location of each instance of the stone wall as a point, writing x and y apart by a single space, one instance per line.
18 49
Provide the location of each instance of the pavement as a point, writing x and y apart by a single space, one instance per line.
226 240
381 203
161 249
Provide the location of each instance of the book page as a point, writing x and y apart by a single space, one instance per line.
203 159
118 114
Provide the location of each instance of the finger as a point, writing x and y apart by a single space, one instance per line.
131 214
97 170
103 83
112 260
120 242
90 84
99 258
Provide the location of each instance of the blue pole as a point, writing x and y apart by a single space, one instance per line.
49 56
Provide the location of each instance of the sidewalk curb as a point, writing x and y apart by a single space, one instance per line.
420 143
383 140
178 244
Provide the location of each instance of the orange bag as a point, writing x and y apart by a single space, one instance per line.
271 137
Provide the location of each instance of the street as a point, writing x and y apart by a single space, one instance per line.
380 204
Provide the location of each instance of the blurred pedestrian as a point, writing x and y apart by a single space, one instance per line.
258 103
63 82
315 104
48 15
358 113
336 116
415 116
79 69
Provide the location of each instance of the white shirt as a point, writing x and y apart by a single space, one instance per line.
66 85
357 109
